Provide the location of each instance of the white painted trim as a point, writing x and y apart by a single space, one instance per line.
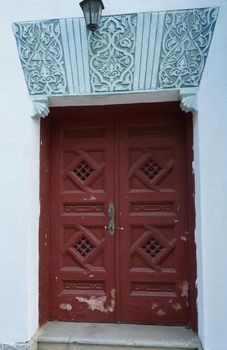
42 103
113 99
40 106
189 100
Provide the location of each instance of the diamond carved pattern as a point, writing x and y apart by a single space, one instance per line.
151 169
84 247
83 170
152 247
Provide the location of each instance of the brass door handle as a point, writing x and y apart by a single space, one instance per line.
111 215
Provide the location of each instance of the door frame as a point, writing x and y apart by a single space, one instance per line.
44 224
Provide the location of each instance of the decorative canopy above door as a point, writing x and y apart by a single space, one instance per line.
129 53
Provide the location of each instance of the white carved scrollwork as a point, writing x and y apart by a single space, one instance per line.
166 50
111 54
40 49
185 45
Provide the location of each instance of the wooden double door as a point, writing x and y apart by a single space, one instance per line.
119 247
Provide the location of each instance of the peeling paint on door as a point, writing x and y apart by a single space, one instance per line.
99 303
184 287
176 306
160 312
154 306
66 307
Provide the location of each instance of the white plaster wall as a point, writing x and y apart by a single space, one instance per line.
212 174
19 176
19 195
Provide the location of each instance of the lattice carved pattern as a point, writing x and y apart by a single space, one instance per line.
152 246
83 170
150 168
83 246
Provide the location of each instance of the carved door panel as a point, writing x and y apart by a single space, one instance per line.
153 239
133 157
82 250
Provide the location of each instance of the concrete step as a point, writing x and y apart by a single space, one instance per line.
100 336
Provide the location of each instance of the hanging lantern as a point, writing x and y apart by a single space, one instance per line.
92 10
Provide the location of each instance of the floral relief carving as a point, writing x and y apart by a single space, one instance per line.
185 45
151 51
112 54
40 49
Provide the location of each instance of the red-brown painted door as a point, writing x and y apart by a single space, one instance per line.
153 236
82 250
133 158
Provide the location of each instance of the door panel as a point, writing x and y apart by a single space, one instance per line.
82 250
136 159
153 239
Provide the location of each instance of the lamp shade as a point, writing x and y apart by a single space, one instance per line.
92 10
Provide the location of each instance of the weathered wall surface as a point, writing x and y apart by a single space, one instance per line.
19 177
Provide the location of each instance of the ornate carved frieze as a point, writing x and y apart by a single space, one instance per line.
112 54
40 50
129 53
185 44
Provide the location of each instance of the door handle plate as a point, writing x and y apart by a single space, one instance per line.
111 215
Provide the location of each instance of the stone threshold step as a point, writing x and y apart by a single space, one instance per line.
82 336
